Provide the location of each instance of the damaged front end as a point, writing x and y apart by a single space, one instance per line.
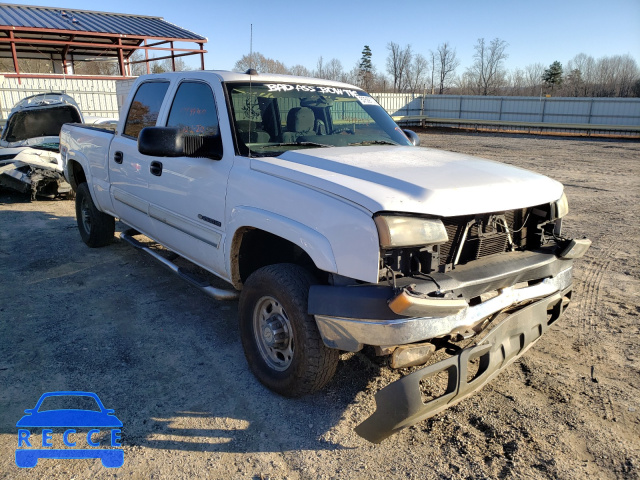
29 158
474 296
33 171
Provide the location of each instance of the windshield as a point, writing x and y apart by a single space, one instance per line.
271 118
69 402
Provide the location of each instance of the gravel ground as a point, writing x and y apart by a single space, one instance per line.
169 361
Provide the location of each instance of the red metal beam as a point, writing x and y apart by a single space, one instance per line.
121 59
96 46
146 57
154 44
153 59
15 57
60 76
95 34
173 59
201 56
65 52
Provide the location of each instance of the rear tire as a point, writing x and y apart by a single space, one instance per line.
96 228
281 341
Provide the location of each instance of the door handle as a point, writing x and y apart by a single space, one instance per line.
156 168
117 157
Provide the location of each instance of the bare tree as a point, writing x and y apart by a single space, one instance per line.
447 64
573 84
432 56
261 63
416 75
319 71
165 65
517 80
398 64
628 75
586 65
300 70
137 69
609 76
333 70
533 78
487 71
615 76
464 84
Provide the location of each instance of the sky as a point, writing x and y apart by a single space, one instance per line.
541 31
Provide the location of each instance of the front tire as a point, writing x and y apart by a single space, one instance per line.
281 341
96 228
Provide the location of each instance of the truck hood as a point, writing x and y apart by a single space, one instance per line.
37 120
412 179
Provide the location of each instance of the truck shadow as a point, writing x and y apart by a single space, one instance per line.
164 356
260 421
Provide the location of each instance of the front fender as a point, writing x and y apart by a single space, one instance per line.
310 241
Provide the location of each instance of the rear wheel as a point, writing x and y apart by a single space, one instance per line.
280 340
96 228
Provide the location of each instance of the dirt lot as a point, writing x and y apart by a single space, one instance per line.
169 360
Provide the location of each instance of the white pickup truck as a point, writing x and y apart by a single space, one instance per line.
333 228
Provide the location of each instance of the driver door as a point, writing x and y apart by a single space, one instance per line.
186 194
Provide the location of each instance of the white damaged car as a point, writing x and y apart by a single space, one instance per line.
30 144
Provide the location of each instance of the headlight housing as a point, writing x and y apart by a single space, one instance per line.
560 207
397 231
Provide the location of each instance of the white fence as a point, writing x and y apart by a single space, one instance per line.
94 97
103 98
553 110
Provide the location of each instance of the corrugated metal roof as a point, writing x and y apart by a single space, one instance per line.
88 21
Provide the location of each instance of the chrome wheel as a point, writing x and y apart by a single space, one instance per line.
273 333
85 214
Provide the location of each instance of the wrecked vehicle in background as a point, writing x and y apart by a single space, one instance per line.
30 145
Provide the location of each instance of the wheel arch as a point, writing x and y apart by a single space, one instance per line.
260 238
76 173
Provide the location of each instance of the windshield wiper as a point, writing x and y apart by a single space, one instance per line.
295 144
373 142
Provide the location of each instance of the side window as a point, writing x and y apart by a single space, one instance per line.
194 110
145 107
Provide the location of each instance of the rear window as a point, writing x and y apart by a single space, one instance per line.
145 107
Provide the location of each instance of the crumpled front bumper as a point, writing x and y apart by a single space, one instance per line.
335 308
401 404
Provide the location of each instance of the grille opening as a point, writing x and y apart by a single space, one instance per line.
471 237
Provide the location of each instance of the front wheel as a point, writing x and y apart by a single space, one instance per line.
280 339
96 228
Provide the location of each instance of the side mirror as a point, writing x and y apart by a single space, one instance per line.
173 142
413 137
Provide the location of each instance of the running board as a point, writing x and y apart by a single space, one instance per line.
217 293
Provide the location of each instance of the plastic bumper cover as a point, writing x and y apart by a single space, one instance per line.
400 404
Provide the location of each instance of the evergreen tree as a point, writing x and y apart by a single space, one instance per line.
365 72
553 75
365 60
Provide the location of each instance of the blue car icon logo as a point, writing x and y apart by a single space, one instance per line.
95 418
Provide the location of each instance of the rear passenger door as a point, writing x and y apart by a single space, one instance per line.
128 169
187 195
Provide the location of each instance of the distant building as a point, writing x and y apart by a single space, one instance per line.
48 42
